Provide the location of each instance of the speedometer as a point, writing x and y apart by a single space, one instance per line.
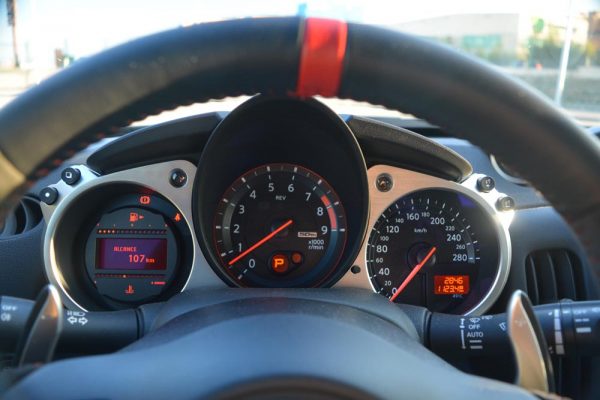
279 225
436 248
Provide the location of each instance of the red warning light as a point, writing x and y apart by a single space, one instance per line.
134 217
177 217
130 290
144 200
297 258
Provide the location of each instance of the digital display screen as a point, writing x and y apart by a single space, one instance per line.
451 284
131 253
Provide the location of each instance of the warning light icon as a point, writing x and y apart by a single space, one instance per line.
130 290
145 200
279 263
134 217
177 217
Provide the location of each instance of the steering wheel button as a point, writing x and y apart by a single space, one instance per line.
49 195
70 175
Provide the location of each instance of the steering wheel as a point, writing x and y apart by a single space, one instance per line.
289 342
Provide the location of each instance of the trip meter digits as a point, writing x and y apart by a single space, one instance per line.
434 248
279 225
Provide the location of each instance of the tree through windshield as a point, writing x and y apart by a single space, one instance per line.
552 45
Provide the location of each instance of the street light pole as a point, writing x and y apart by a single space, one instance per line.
564 57
11 6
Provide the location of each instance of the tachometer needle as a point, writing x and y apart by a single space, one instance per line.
260 242
413 273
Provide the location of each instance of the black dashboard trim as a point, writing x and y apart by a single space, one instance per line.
173 140
383 143
185 139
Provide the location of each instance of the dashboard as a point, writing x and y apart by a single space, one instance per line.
280 193
284 192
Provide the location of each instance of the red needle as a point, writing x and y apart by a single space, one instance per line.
413 273
260 242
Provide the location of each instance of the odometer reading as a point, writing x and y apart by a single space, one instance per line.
451 284
434 248
279 225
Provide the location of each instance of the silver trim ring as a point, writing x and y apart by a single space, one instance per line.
155 177
406 182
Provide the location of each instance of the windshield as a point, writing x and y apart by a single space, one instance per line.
552 45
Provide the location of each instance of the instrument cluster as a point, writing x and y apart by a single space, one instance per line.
281 196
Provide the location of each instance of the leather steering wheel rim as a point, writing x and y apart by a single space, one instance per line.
469 99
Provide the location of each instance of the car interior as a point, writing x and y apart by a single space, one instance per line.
284 249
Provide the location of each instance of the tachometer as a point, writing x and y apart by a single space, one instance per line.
279 225
436 248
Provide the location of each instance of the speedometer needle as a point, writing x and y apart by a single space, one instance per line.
260 242
413 273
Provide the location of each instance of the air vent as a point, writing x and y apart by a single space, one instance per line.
26 216
553 275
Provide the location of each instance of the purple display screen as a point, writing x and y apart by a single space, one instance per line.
126 253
